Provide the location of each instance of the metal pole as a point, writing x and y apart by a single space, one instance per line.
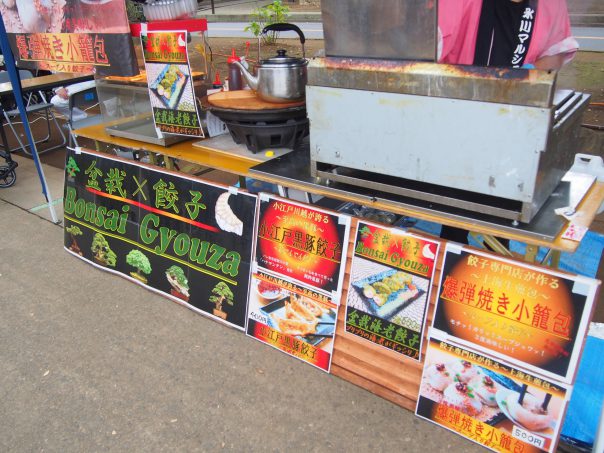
213 10
9 62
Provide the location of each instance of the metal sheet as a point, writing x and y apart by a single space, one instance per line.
294 168
143 130
399 29
486 148
501 85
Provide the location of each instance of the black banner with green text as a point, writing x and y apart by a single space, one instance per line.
180 236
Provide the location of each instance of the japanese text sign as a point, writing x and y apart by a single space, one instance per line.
302 242
390 283
71 36
535 317
176 235
488 401
170 83
297 281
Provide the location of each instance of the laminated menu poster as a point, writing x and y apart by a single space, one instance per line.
532 316
170 83
71 35
490 401
297 278
179 236
390 282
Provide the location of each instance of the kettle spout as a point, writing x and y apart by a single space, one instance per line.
249 78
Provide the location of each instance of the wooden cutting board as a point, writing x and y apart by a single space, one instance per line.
246 100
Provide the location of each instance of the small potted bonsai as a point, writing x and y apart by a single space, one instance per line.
136 258
178 280
101 251
221 294
74 231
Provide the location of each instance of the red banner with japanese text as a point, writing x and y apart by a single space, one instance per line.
297 279
390 283
170 83
71 35
533 316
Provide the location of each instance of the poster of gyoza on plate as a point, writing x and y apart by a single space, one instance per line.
176 235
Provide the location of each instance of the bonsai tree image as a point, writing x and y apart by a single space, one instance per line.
178 280
137 259
74 231
221 294
72 167
101 251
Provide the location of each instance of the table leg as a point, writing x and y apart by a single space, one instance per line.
169 163
531 253
492 242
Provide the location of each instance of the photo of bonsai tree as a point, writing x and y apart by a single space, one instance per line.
74 231
221 294
136 258
178 280
103 254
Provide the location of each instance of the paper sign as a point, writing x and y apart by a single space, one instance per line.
490 401
390 283
170 83
535 317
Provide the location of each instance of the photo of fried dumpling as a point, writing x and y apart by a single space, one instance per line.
312 306
295 327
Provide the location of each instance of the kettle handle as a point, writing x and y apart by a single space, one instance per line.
283 26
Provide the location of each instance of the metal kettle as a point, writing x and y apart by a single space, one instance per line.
280 78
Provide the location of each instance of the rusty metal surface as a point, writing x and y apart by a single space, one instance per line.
501 85
398 29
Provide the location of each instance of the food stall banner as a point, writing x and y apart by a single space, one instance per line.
297 278
71 35
390 283
292 318
176 235
534 317
170 83
303 243
489 401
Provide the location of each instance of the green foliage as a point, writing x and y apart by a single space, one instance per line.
72 167
137 259
134 12
178 274
101 250
74 230
273 13
222 293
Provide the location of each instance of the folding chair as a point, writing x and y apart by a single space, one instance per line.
83 100
35 103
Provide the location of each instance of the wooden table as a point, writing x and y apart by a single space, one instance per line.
45 82
241 163
208 157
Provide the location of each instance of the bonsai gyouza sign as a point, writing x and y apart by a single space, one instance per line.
176 235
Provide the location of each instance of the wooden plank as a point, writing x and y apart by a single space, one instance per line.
374 388
246 100
375 368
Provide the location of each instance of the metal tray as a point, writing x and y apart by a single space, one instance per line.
143 130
